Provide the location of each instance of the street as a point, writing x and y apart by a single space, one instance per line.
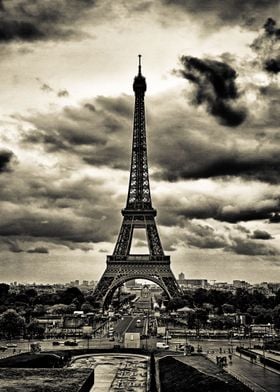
255 375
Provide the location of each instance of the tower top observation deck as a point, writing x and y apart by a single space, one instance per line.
139 85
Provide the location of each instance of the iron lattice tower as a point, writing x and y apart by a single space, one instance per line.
138 213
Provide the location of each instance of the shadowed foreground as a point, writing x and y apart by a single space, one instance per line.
43 380
176 376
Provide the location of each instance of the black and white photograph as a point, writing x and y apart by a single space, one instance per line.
139 195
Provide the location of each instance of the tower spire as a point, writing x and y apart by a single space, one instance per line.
139 64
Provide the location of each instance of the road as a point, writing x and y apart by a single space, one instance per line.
46 345
261 378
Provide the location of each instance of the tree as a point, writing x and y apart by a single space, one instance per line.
200 296
39 310
87 308
11 323
59 309
35 329
31 293
71 293
176 303
276 316
4 289
228 308
201 316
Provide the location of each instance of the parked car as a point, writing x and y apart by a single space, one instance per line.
139 324
56 343
3 348
70 343
187 348
162 345
11 345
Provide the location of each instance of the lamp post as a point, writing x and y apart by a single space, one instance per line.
185 345
264 351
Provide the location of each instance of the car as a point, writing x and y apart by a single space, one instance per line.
139 323
3 348
162 345
56 343
70 343
111 338
188 348
11 345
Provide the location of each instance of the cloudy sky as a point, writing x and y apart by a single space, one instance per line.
212 107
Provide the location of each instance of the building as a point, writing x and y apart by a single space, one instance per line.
192 283
181 277
240 284
131 283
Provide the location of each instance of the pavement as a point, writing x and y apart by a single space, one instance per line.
116 371
255 376
258 378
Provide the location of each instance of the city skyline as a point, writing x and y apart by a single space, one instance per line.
66 112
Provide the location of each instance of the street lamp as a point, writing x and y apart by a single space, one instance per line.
186 342
264 351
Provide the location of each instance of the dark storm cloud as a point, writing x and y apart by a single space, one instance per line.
68 211
5 160
261 235
201 206
99 133
267 47
215 86
202 236
15 247
53 225
95 131
195 149
273 65
14 30
249 13
263 166
243 246
26 20
39 249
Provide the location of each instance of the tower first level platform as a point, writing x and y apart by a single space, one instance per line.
122 269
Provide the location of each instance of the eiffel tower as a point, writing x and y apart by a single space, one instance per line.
138 214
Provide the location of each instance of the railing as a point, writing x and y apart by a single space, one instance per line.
137 258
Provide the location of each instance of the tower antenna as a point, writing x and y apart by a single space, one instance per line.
139 64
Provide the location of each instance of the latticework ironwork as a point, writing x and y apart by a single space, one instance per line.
138 213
